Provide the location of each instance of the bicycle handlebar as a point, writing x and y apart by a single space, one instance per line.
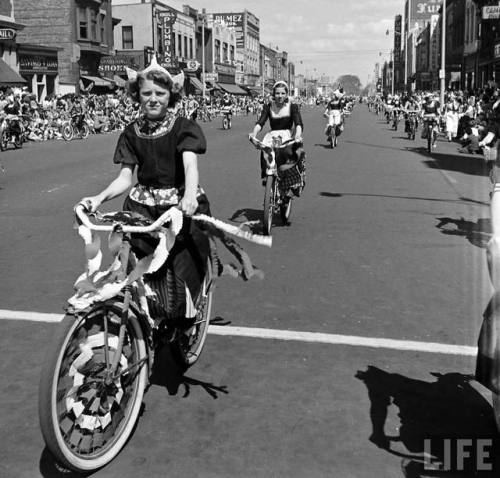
80 212
260 145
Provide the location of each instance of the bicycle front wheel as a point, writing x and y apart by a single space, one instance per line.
269 204
67 132
86 415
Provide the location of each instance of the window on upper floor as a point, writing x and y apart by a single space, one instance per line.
93 25
186 51
127 38
191 48
83 23
102 27
159 34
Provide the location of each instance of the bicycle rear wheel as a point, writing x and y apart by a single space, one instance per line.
189 344
85 417
67 132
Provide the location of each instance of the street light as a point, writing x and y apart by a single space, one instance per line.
442 73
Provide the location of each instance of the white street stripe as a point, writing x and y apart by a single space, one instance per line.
314 337
30 316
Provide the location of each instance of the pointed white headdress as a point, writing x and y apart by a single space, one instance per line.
177 80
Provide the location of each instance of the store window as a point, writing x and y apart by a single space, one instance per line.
127 38
83 24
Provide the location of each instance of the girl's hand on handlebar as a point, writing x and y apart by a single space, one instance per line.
188 205
91 203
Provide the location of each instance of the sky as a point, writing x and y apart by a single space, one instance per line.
329 37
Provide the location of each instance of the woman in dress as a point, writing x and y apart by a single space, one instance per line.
163 147
285 121
452 109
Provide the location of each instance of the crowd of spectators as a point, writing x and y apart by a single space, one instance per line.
104 113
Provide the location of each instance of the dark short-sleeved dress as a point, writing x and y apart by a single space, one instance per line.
155 148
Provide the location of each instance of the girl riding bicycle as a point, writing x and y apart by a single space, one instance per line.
163 146
285 120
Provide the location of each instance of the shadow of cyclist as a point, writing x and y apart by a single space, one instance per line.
446 408
477 233
168 373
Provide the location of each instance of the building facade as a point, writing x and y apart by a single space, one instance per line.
9 36
247 30
81 30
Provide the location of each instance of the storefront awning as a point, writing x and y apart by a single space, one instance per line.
98 81
8 76
196 83
120 82
233 89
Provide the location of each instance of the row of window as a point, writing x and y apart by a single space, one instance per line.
227 51
91 25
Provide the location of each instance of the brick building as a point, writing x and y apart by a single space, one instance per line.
82 30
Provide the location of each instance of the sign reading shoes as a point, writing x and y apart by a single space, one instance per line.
7 34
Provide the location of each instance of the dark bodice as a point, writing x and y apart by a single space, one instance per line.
288 121
156 149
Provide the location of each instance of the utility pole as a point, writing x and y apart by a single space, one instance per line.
203 18
392 72
442 73
407 28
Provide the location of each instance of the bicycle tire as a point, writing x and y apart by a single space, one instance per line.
429 140
187 348
67 132
225 123
76 439
18 141
85 131
4 142
269 204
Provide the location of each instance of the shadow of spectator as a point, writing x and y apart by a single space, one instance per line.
447 408
477 233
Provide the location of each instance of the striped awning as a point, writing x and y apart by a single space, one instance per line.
98 81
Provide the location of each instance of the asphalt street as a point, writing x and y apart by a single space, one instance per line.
386 242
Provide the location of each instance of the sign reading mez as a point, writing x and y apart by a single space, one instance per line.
233 20
423 10
169 59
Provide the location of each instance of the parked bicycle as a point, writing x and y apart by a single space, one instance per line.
12 133
75 128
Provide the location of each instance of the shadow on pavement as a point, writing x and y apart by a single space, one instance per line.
477 233
169 374
50 468
252 219
448 408
463 163
373 145
413 198
324 146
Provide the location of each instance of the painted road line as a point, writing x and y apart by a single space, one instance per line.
297 336
30 316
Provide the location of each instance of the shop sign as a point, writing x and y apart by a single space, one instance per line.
424 10
7 33
116 64
38 64
496 52
491 12
168 18
224 69
192 65
210 77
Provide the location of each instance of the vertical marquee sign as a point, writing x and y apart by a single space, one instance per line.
397 38
168 18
